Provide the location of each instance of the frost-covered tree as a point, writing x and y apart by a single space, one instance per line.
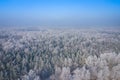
59 54
65 74
81 74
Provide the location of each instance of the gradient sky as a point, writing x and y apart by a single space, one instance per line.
59 13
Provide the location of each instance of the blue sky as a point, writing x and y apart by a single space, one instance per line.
59 12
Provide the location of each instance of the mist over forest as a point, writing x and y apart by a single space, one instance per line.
59 39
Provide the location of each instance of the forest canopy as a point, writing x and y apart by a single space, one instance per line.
60 54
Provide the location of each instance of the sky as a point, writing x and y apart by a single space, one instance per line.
57 13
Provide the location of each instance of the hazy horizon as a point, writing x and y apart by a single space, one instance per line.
59 13
59 39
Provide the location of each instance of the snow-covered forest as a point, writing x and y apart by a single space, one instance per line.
60 54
